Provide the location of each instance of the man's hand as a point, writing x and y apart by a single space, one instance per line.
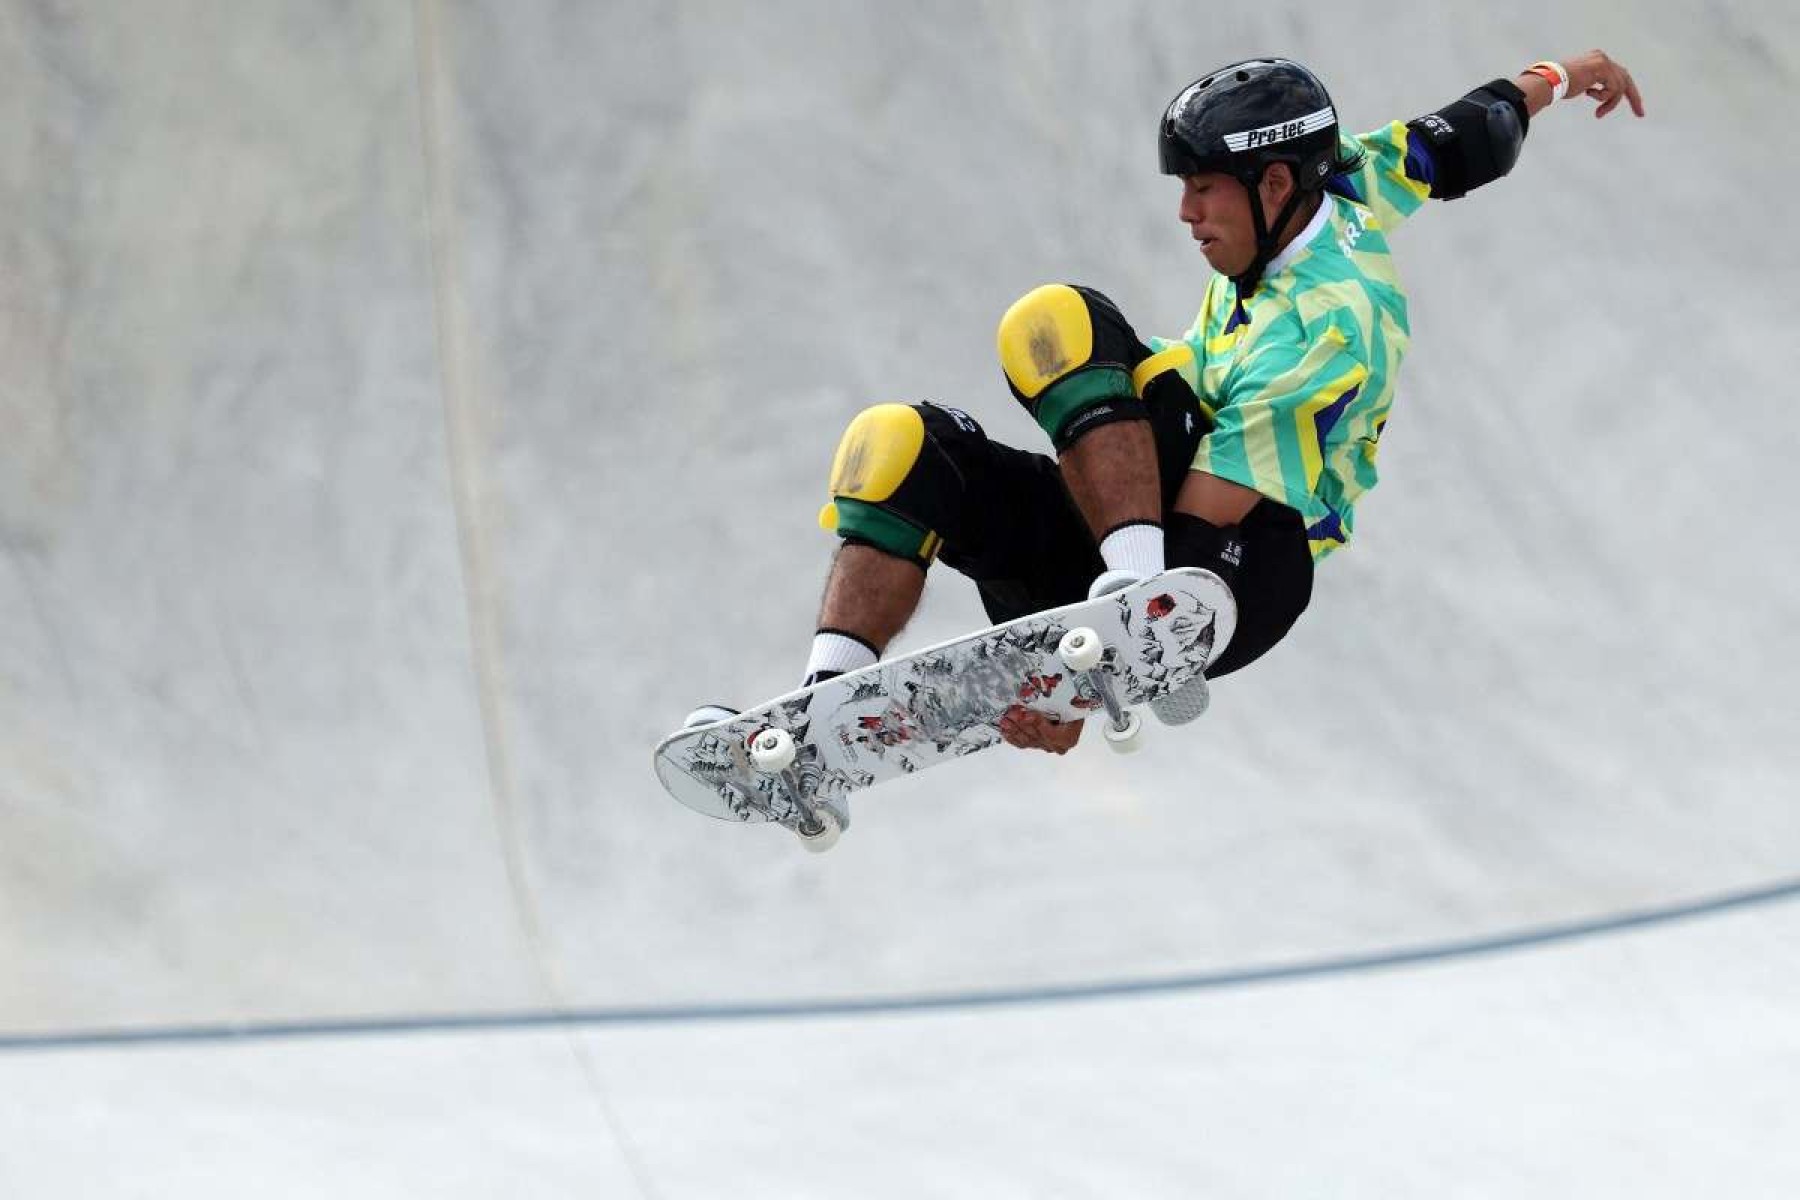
1596 75
1029 730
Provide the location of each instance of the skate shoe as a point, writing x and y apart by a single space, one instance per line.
1186 703
1116 580
707 714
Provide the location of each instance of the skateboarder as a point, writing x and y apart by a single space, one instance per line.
1241 446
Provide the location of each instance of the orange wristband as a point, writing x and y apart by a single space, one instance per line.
1554 74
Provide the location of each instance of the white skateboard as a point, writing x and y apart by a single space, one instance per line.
794 759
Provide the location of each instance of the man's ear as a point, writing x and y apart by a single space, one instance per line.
1276 187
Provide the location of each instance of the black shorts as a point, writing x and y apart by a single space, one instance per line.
1020 537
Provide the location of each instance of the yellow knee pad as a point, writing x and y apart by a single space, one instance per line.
874 458
1047 348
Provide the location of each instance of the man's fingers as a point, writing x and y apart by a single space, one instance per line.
1060 737
1022 728
1605 90
1620 88
1631 94
1612 84
1030 730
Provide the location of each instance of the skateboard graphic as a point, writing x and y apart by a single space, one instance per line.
795 759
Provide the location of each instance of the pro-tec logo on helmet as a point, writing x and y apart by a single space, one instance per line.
1282 131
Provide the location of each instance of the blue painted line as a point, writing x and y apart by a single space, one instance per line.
1350 964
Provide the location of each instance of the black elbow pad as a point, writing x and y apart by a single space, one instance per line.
1476 140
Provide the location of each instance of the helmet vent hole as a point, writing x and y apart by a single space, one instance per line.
1243 77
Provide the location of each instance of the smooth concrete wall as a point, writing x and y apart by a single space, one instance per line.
409 413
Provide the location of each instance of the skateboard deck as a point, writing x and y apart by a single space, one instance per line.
907 714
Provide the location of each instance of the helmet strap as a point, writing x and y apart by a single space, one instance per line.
1265 238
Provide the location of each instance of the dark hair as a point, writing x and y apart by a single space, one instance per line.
1348 162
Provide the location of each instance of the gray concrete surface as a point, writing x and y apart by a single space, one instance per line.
409 412
1658 1064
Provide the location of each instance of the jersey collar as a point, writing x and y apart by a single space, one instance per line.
1303 239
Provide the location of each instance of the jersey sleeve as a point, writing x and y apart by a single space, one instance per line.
1187 353
1395 178
1283 412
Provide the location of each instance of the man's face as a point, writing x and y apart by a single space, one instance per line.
1216 208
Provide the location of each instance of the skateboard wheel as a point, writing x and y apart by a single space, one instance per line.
1128 739
772 750
1080 649
827 837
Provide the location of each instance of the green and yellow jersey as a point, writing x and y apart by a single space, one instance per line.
1299 378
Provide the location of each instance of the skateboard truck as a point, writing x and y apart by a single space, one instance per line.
772 753
1081 651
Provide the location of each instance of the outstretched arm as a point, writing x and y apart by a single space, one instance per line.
1475 140
1594 75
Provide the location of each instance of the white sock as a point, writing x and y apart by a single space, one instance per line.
838 652
1137 546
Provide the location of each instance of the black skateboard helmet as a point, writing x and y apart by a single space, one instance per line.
1243 117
